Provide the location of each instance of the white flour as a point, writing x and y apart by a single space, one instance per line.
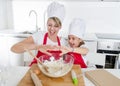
57 67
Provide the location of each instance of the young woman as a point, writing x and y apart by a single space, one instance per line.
76 44
38 40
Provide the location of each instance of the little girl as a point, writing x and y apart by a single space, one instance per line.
76 44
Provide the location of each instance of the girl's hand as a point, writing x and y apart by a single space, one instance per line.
64 49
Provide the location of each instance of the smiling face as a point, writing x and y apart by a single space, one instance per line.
74 41
53 26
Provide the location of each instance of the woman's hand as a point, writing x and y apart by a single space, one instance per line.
45 48
64 49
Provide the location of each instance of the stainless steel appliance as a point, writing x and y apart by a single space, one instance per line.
112 50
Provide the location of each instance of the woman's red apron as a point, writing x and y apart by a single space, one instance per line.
54 53
78 59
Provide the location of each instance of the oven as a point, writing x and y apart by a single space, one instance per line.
112 52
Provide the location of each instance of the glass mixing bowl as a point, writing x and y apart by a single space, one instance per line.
54 66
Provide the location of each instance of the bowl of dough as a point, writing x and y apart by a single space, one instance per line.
54 66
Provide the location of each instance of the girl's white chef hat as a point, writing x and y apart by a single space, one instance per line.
77 28
56 10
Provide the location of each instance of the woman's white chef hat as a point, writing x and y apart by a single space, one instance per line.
77 28
56 10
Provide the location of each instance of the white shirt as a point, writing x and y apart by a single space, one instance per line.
38 38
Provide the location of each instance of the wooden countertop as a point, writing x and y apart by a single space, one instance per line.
48 81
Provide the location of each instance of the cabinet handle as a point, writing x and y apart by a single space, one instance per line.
108 46
118 47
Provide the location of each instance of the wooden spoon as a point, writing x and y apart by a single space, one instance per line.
44 66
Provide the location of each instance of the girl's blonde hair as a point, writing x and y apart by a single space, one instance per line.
57 21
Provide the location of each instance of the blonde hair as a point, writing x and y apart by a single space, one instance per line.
56 20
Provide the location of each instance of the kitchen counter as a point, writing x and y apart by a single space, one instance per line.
15 74
87 37
108 37
102 37
12 33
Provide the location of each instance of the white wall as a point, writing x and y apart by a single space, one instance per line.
100 17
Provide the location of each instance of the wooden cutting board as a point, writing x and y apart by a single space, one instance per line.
102 78
48 81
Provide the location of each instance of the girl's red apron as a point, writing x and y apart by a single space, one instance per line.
78 59
54 53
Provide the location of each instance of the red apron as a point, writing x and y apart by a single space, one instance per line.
78 59
54 53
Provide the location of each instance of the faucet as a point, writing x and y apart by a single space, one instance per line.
33 11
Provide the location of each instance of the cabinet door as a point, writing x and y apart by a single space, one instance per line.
7 57
4 53
91 45
15 59
28 58
95 58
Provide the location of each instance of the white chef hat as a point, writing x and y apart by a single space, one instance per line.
56 10
77 28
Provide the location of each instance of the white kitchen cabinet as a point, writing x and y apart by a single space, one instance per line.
7 57
8 38
95 58
91 45
28 58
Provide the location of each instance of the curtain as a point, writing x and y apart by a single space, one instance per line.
6 17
